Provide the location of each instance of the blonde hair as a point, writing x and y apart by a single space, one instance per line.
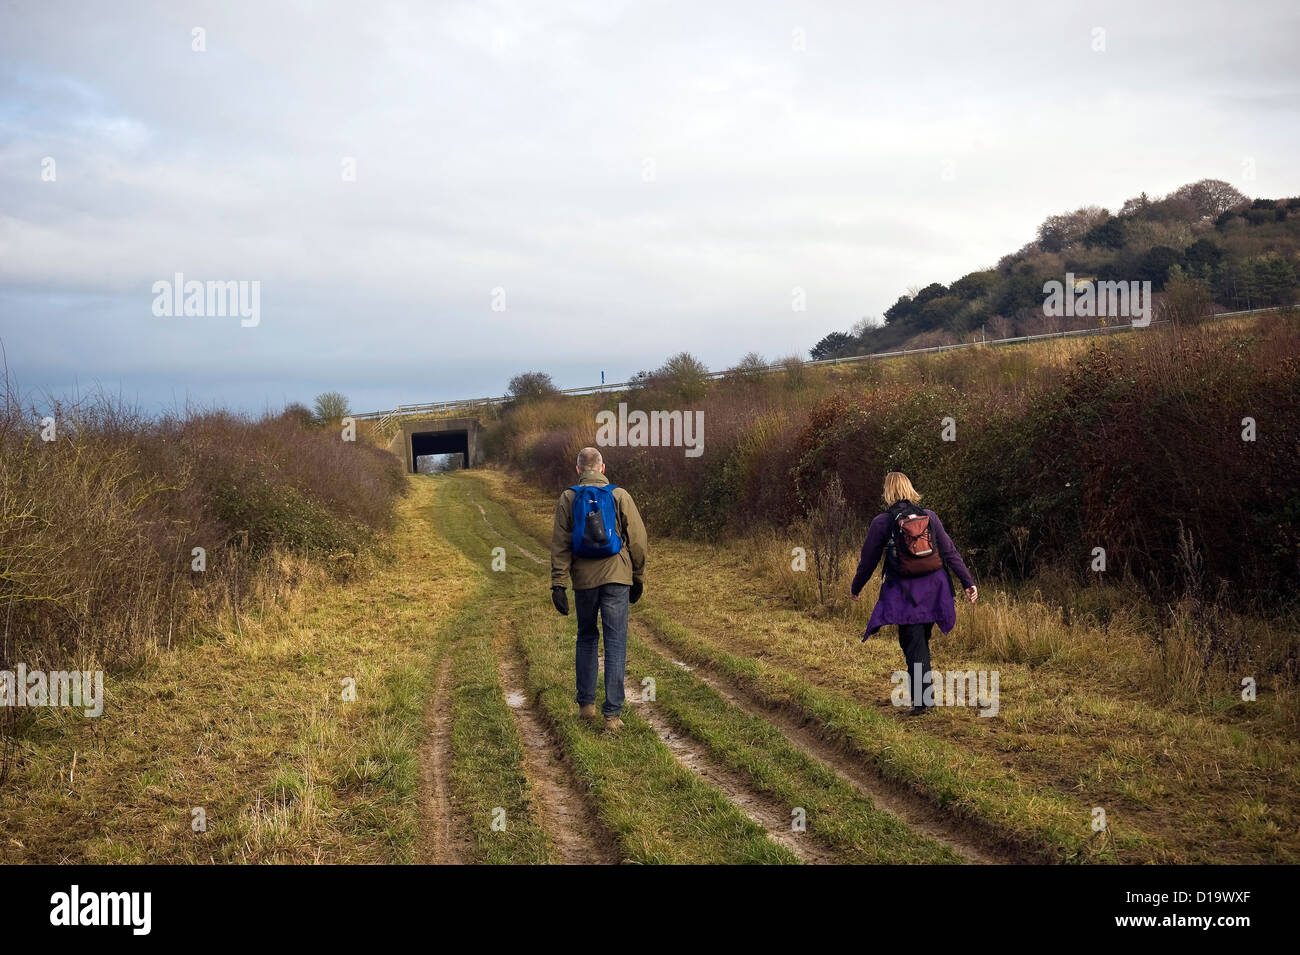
589 459
899 488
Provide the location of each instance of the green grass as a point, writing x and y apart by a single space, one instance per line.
1080 726
837 813
960 781
248 724
492 792
658 811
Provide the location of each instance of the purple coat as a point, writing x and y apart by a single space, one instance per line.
930 599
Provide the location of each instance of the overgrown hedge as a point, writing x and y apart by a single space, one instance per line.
1121 446
99 525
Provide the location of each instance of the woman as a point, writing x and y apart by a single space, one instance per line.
916 592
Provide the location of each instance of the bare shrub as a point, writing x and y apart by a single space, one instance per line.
531 386
98 527
831 529
749 370
795 375
1185 301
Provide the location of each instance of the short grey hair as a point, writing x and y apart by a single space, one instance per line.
589 459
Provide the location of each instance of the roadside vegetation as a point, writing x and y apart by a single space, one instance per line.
747 712
248 723
123 537
1173 449
102 508
322 659
1092 714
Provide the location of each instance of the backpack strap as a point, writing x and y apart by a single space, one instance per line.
891 547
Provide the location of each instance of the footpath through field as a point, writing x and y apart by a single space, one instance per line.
785 713
698 775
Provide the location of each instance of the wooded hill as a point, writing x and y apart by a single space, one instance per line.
1205 241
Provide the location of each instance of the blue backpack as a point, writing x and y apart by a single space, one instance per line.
595 521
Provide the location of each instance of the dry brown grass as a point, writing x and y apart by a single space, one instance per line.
249 724
98 527
1090 710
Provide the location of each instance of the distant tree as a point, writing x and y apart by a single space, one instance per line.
1066 230
1203 254
941 312
930 293
749 369
974 284
1024 289
530 386
864 326
1224 218
1186 300
830 346
1211 197
331 408
1237 285
1135 206
796 372
1275 277
299 414
1155 265
1107 234
1172 208
999 326
685 376
899 311
1008 262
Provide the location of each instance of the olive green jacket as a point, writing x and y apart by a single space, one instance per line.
625 567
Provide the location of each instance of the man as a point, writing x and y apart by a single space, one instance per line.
603 586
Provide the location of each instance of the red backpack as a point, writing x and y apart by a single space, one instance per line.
911 550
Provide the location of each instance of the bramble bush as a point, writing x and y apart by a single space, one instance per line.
1058 450
98 527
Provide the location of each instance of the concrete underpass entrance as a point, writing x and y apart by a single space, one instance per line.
436 436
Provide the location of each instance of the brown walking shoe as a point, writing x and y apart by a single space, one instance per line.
613 724
588 712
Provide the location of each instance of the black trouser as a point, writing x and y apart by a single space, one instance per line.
914 638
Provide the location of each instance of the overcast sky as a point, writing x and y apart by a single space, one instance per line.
639 178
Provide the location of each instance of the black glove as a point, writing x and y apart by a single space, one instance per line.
560 597
635 593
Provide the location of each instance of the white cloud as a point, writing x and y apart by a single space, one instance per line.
505 144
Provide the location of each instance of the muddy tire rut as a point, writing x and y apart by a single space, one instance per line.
563 811
772 815
510 540
562 802
910 809
441 842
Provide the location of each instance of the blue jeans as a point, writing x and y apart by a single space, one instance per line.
611 603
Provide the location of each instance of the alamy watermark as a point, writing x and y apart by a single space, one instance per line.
133 910
178 298
74 689
655 429
1088 298
978 688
